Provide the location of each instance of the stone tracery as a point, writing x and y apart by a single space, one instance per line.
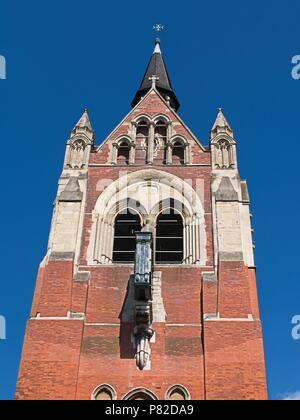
148 199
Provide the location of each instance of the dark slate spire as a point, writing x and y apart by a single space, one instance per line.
157 67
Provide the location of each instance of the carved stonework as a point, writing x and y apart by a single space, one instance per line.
143 350
224 158
79 145
77 155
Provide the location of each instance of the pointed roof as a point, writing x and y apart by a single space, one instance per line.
157 67
221 125
84 125
84 121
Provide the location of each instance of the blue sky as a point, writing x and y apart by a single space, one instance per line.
65 55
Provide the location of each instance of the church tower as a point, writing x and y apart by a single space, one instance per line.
148 287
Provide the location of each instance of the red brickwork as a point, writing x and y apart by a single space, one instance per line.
67 359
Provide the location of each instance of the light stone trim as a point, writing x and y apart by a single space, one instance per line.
219 161
216 317
82 276
179 387
68 217
137 391
104 387
210 277
149 188
183 325
158 308
115 148
71 316
232 228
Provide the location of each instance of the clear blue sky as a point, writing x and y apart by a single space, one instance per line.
65 55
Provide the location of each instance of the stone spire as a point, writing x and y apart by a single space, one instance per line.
221 125
157 68
84 126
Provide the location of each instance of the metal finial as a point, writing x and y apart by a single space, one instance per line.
158 27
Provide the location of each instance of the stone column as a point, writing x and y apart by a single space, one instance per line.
187 154
132 154
150 150
169 153
97 249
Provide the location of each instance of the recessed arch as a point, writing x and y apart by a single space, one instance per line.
161 117
177 392
172 203
140 394
152 189
171 181
180 139
142 117
123 151
179 150
104 392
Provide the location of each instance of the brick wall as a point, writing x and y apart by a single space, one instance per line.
219 359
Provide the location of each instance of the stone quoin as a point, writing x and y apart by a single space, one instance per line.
148 287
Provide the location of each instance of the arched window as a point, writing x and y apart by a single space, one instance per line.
123 153
224 157
104 393
178 392
77 154
142 130
178 153
126 225
169 238
140 394
160 141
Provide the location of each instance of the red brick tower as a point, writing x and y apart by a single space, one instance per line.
167 313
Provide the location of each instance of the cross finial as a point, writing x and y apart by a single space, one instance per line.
154 79
158 27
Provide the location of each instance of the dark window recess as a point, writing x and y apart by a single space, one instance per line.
169 239
123 153
124 242
142 130
178 153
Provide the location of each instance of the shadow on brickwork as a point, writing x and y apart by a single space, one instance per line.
127 350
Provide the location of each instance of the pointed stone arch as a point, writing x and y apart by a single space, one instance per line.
224 154
104 392
116 148
149 189
178 392
140 394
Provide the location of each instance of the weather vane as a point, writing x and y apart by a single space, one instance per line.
158 27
